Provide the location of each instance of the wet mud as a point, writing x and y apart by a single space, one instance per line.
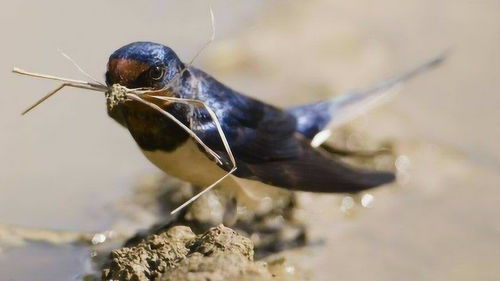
186 247
179 254
271 231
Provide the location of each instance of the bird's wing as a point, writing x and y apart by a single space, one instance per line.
313 118
256 132
315 171
267 148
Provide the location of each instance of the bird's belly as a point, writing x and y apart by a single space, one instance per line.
187 163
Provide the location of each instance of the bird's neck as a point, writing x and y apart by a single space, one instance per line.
149 128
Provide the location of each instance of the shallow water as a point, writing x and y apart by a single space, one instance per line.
65 165
41 262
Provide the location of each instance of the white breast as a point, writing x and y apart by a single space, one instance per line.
189 164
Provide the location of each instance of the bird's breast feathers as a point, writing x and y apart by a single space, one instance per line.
188 163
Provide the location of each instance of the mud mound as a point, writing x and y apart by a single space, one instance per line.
179 254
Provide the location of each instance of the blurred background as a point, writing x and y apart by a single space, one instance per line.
63 165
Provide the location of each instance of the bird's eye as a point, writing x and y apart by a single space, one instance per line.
156 72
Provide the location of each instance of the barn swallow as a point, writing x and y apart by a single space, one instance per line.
195 128
271 146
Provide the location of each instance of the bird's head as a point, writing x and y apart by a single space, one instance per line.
143 65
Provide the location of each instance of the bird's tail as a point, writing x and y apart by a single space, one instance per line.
315 117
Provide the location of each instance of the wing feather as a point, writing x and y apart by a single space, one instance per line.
267 147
